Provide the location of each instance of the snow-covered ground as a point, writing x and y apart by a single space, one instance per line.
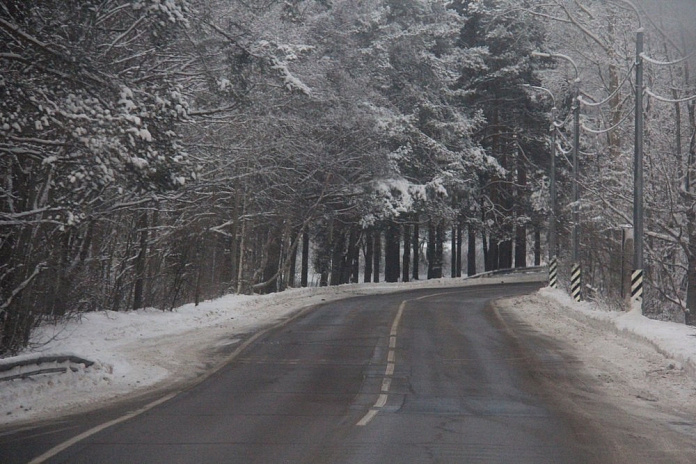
138 351
644 365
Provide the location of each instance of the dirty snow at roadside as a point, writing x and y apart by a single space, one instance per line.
138 351
648 366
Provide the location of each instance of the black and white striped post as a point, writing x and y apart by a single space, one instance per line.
637 287
576 283
553 272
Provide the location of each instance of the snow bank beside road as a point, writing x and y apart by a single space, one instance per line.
644 366
137 351
673 340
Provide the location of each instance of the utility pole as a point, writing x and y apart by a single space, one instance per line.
638 265
576 271
553 260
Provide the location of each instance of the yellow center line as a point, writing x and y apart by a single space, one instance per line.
381 401
368 417
386 381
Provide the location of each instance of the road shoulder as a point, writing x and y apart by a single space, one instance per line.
640 401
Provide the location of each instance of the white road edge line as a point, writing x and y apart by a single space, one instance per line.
76 439
67 444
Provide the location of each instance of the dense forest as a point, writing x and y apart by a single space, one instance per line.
158 152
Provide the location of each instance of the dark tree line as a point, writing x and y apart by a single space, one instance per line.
153 154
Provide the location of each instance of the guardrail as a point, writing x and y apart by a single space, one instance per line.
44 365
514 270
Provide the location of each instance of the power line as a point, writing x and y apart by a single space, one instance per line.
613 94
666 63
668 100
604 131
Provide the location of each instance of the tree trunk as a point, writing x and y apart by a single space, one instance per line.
494 252
234 239
61 289
505 254
273 261
140 262
471 252
293 261
459 248
346 255
430 250
377 255
199 273
154 262
305 259
521 230
439 249
368 256
324 257
453 251
416 249
690 315
392 245
487 261
337 255
242 244
355 258
537 246
406 263
521 246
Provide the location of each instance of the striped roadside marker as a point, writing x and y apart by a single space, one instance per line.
637 286
553 272
575 282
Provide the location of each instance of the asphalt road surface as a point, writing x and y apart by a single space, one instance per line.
425 376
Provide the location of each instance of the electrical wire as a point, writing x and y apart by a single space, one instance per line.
613 94
560 149
668 100
609 129
666 63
